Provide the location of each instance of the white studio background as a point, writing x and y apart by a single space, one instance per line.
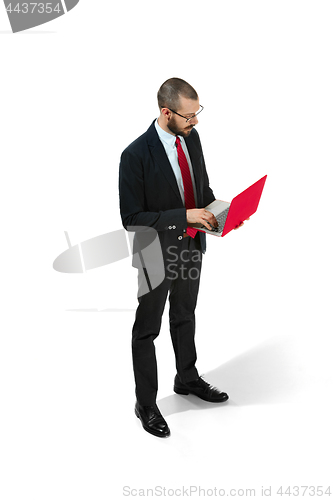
74 94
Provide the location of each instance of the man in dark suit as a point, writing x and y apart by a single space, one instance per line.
163 185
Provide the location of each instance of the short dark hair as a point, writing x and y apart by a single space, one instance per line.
170 91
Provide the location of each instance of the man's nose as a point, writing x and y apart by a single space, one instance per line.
194 121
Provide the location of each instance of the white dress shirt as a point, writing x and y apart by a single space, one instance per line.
169 143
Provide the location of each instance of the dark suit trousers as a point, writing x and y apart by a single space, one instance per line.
182 270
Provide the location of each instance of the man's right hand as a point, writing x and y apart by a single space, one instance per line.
201 215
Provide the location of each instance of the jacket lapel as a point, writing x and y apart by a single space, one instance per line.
161 159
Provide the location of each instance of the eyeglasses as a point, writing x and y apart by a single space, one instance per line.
186 118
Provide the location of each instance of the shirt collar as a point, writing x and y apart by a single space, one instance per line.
168 139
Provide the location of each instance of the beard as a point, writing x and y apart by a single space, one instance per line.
183 132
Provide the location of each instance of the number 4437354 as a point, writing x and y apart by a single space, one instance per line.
31 7
311 491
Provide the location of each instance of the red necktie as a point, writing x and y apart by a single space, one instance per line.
187 182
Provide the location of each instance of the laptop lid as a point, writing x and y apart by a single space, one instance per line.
244 205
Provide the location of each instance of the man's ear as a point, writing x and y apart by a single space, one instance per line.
166 113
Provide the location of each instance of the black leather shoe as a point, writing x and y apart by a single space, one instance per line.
152 420
200 388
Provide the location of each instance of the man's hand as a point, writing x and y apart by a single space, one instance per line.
240 225
201 215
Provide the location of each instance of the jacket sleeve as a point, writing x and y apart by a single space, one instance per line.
208 195
133 206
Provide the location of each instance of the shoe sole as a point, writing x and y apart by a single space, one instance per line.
147 429
185 392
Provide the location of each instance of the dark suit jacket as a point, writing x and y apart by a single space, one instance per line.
148 191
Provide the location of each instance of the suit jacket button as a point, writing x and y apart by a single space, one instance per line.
173 227
180 237
170 227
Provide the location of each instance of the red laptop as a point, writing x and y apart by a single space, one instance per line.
231 215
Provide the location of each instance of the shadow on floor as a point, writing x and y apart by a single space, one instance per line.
266 374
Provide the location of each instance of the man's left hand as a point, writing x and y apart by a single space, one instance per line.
240 225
